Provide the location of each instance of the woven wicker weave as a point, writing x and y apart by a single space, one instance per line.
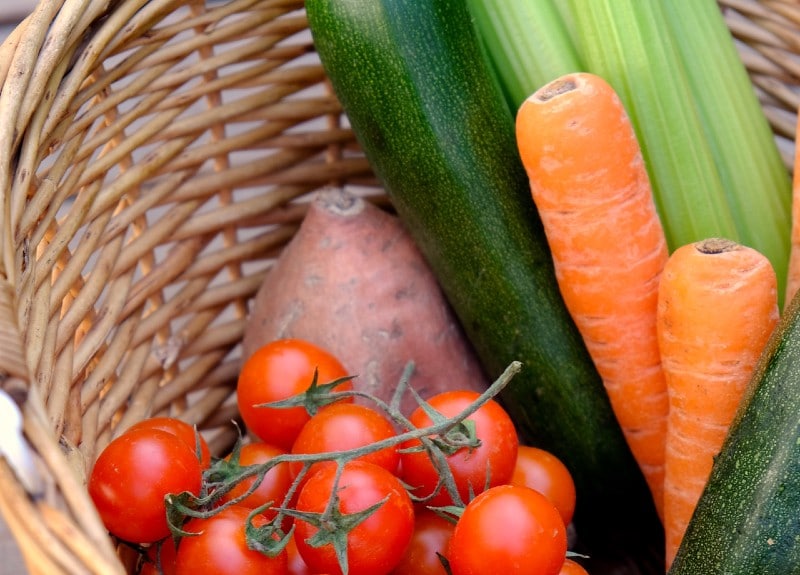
155 156
769 43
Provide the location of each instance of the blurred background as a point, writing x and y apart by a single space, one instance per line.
12 11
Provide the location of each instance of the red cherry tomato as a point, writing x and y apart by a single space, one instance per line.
183 430
541 470
277 371
273 487
295 562
430 539
220 547
494 458
572 567
344 426
375 545
132 476
510 530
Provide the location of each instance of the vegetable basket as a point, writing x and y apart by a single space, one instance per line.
155 157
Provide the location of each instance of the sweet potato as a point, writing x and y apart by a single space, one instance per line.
353 281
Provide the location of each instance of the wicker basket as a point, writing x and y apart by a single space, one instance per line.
155 156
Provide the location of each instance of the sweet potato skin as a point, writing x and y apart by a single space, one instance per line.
353 281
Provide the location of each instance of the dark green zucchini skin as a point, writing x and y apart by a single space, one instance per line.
747 520
433 123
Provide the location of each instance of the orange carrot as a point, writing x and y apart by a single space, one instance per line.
717 307
591 188
793 279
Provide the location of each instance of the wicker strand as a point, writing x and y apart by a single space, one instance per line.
69 480
44 551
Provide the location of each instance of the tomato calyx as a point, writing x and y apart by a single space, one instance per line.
462 435
268 539
450 513
181 506
227 473
333 526
456 434
317 396
220 479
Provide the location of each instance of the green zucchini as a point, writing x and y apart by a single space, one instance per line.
433 122
747 520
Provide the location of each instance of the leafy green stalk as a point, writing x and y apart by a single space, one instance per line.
628 43
715 167
527 44
753 174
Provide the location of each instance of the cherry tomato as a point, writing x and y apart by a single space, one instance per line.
541 470
430 539
375 545
494 458
132 476
183 430
344 426
572 567
273 487
220 547
160 555
277 371
295 562
510 530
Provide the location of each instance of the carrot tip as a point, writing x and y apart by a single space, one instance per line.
556 88
713 246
